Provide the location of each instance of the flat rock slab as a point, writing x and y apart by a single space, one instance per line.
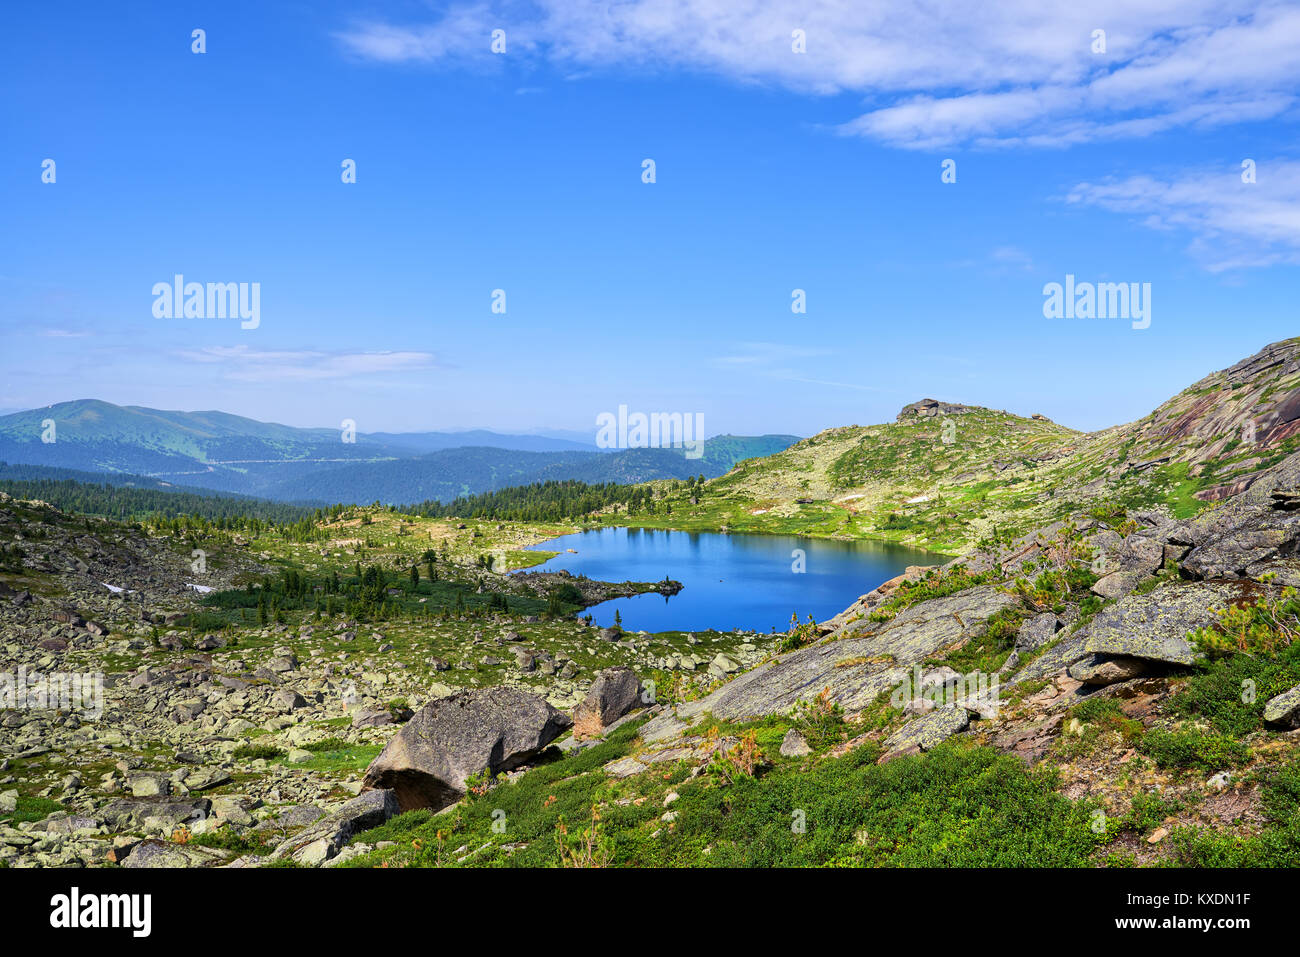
929 730
149 854
862 660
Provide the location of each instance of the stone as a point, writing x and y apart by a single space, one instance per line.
151 853
929 730
286 699
149 785
427 763
793 745
1117 584
888 650
723 665
613 694
323 840
1036 632
1284 710
1153 626
372 719
1106 670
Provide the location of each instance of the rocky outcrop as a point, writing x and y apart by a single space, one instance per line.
426 764
858 662
929 408
1151 627
929 730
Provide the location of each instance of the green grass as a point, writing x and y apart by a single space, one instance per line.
1190 748
338 757
1230 693
253 752
31 809
957 806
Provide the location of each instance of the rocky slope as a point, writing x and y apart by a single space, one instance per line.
947 477
211 746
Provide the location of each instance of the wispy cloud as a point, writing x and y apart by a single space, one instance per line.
1019 72
1231 224
253 365
772 360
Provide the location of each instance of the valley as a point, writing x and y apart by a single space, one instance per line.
271 675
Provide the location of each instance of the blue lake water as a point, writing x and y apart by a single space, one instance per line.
730 581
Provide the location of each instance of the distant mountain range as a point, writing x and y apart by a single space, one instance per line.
230 453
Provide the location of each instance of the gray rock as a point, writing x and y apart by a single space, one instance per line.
286 699
886 650
723 665
372 719
793 745
321 841
496 729
1106 670
615 692
1238 535
149 785
149 854
1153 626
1284 710
929 730
1036 632
1117 584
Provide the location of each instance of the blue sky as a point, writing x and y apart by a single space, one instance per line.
522 171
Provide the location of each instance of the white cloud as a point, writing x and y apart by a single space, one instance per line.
1019 72
770 359
253 365
1232 224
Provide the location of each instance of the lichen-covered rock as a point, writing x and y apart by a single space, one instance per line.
1153 626
1237 536
1036 632
152 853
929 730
1107 670
1284 710
319 842
863 658
793 745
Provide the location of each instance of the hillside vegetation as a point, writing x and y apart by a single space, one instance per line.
948 477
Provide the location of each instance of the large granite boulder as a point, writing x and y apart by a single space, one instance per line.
497 729
616 692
